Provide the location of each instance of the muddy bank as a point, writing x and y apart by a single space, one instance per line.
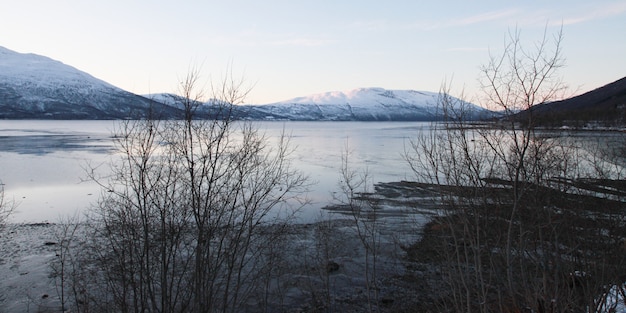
326 265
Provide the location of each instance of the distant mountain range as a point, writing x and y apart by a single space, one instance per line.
37 87
363 104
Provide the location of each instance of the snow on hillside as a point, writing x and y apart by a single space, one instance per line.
41 71
167 99
375 104
368 97
35 86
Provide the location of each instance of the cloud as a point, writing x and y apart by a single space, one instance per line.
373 25
466 49
253 38
302 42
601 12
484 17
427 25
508 16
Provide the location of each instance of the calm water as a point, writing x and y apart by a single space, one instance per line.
42 163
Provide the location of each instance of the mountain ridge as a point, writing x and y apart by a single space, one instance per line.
361 104
366 104
38 87
605 105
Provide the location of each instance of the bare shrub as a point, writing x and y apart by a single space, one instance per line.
186 217
66 266
6 206
525 225
354 185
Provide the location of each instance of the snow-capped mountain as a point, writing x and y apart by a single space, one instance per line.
363 104
37 87
34 86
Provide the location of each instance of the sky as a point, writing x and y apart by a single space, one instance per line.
289 48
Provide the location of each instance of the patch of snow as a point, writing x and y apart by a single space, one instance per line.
167 99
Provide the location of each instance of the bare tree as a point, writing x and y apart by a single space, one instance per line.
354 184
6 206
516 232
188 210
66 265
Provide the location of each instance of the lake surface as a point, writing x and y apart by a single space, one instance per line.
42 163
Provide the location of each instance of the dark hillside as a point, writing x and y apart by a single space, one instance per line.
606 105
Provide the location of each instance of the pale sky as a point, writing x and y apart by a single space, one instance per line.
291 48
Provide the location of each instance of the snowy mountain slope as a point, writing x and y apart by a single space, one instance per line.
37 87
34 86
211 109
363 104
168 99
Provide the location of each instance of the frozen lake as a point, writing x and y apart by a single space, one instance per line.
43 163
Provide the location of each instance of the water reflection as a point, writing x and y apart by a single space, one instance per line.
45 137
43 162
44 144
